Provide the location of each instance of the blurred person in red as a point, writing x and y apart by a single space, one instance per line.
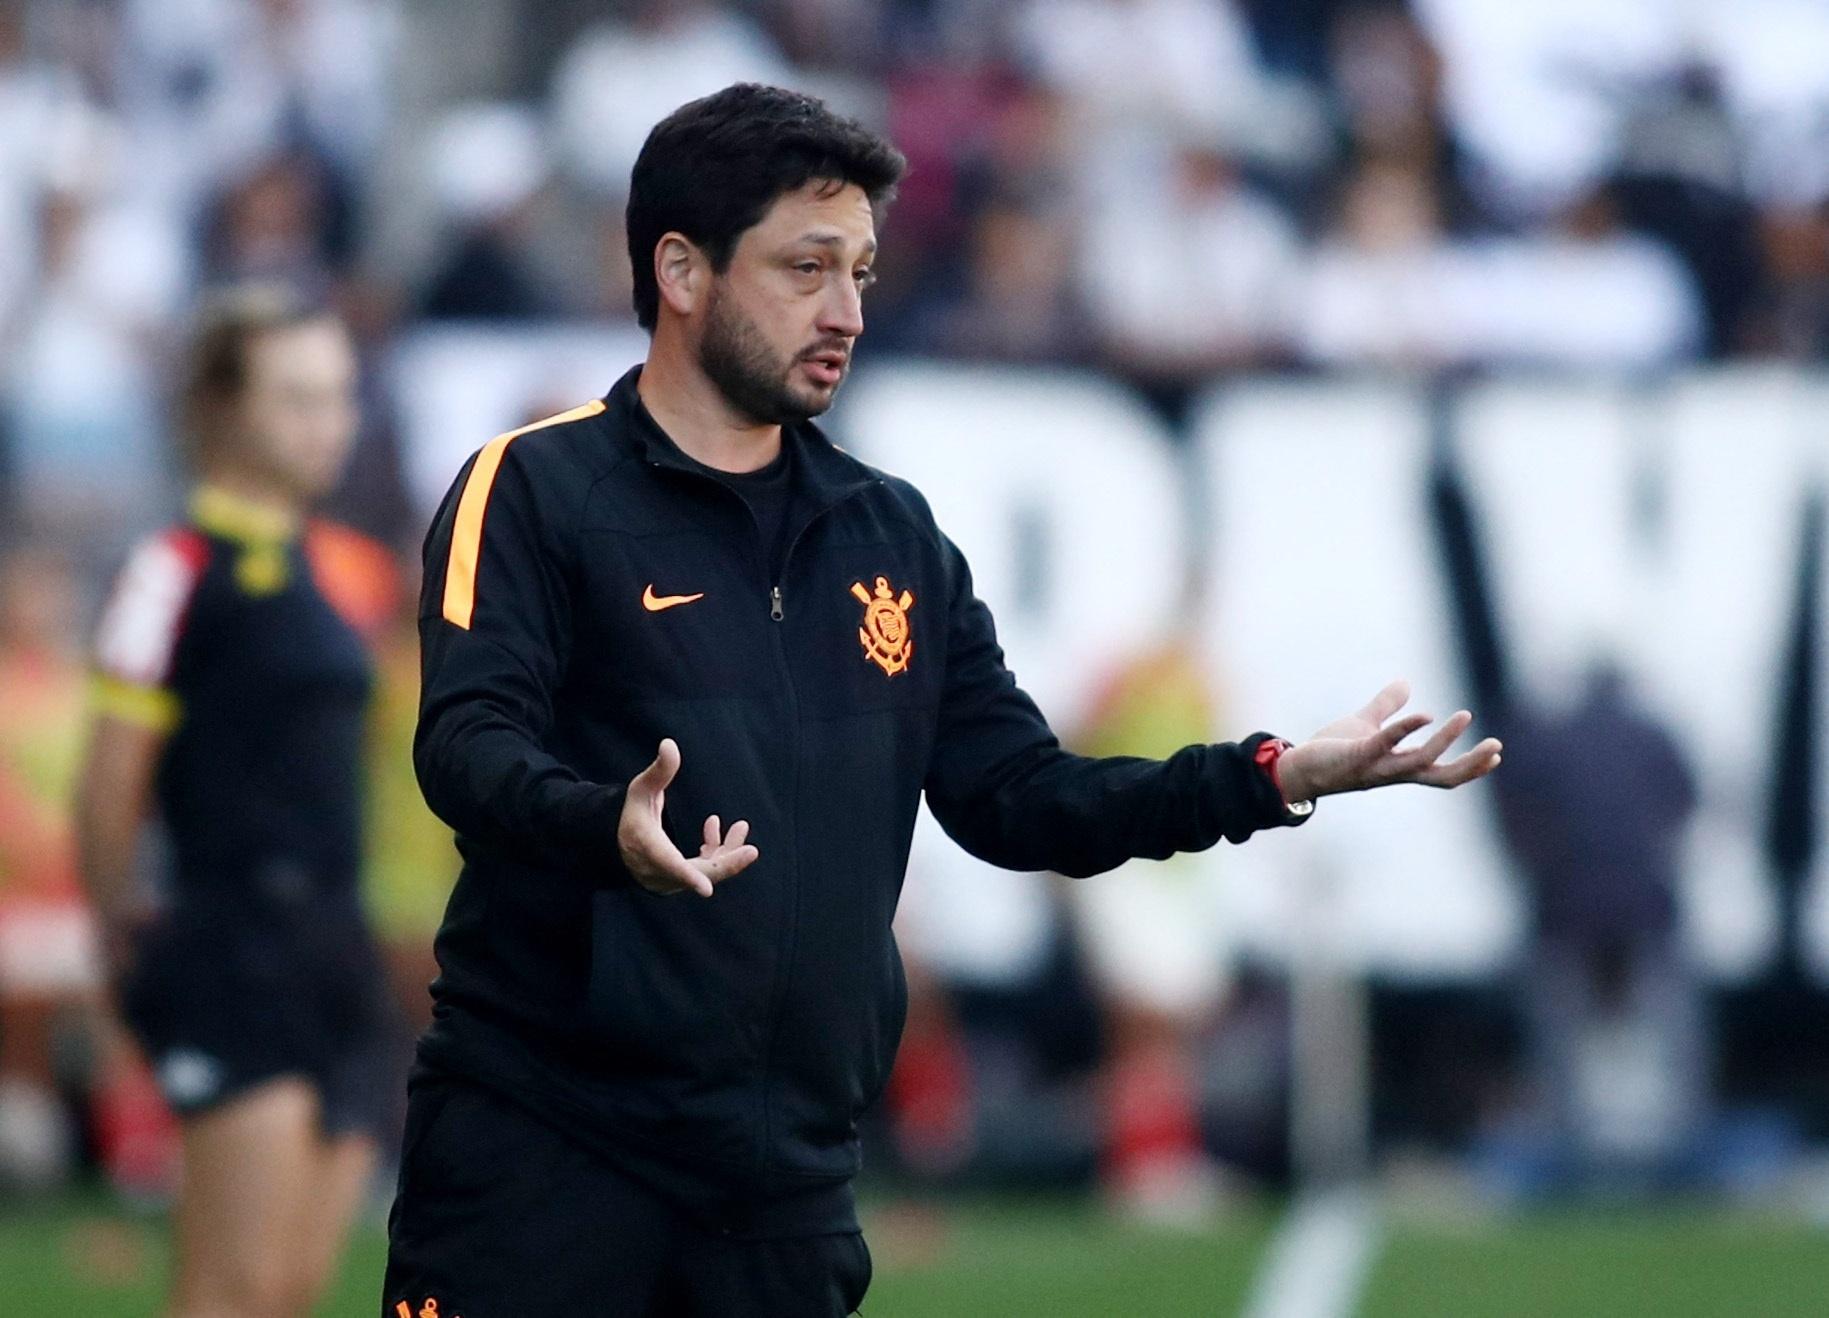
1157 948
231 689
56 1035
47 968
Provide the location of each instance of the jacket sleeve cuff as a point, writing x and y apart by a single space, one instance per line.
1266 807
584 828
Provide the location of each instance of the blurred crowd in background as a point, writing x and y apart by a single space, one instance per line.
1168 192
1164 188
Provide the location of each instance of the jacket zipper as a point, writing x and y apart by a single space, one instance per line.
776 609
777 612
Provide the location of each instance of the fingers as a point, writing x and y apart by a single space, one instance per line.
654 779
730 856
1431 750
721 855
716 839
659 865
1476 763
1419 763
1388 736
692 876
669 871
1387 702
725 863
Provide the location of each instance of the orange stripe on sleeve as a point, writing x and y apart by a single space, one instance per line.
467 532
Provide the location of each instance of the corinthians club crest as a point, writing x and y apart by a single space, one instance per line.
885 635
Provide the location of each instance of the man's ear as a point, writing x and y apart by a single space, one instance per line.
681 271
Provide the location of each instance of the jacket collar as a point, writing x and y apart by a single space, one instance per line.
224 513
826 472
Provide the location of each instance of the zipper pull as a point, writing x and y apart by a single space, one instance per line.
774 604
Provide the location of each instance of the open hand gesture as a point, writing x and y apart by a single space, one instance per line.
1361 751
649 853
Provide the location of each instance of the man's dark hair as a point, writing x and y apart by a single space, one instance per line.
712 168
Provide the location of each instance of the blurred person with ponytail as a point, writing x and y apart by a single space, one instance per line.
230 693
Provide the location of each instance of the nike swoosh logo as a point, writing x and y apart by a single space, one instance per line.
655 603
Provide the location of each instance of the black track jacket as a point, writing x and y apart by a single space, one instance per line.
588 592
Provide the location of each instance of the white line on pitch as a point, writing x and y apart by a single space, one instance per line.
1317 1262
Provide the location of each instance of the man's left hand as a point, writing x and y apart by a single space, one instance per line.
1361 751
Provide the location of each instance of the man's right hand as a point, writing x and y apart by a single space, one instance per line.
651 857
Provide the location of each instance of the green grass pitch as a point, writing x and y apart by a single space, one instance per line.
1012 1258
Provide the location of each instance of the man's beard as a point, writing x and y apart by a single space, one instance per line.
747 371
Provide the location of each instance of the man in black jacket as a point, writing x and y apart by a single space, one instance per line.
681 604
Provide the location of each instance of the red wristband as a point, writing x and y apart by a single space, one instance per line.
1269 751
